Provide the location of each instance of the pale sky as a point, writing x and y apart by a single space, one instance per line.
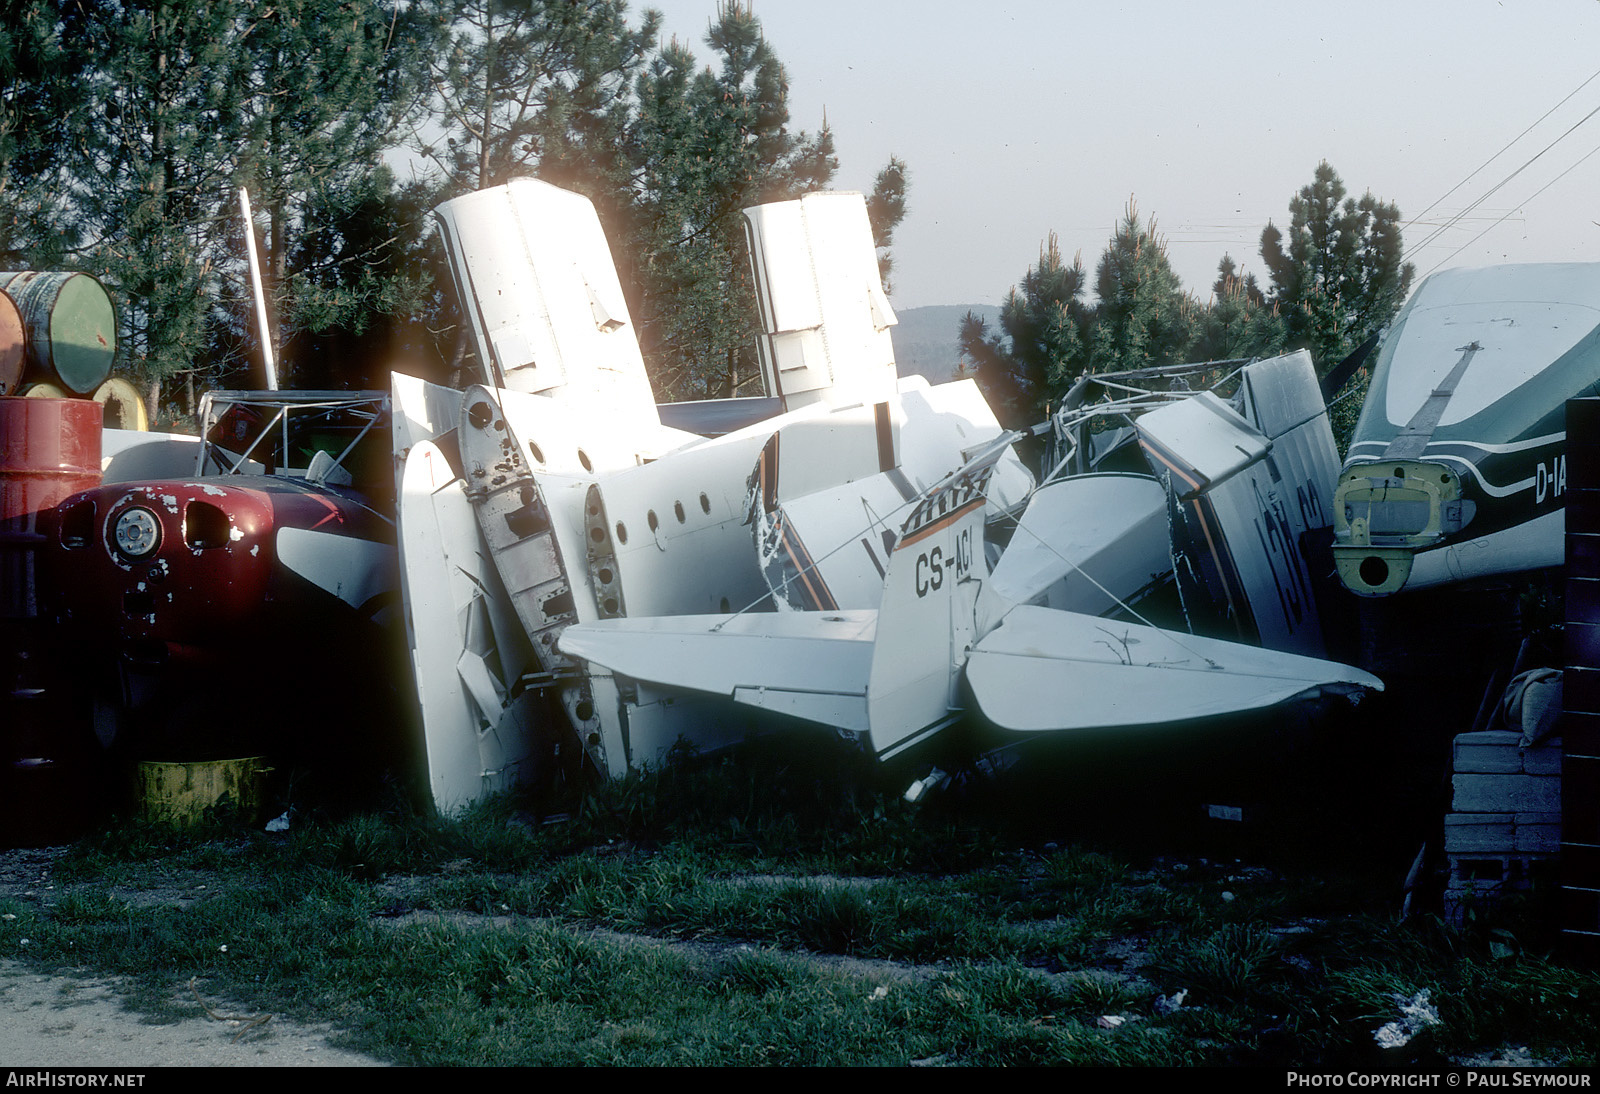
1017 119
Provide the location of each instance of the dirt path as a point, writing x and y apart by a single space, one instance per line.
78 1020
52 1020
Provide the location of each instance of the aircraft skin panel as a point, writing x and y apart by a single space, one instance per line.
679 527
544 301
354 570
137 455
1525 318
661 720
926 621
517 525
446 572
1283 399
955 418
1538 544
1200 441
837 710
835 489
1045 670
1244 509
815 545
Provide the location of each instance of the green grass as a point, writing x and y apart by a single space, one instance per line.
729 882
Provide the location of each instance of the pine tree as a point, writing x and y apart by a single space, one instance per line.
1041 346
40 118
886 208
709 144
187 100
162 82
1342 276
1144 318
329 83
534 87
1239 322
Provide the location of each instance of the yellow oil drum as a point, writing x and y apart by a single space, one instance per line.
123 405
181 793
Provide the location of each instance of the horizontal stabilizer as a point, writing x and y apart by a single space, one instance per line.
811 665
1046 670
1084 544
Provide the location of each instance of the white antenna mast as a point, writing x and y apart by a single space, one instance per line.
260 293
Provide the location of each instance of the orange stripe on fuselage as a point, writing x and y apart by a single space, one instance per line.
821 598
939 525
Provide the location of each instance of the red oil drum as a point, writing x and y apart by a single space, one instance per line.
71 327
49 450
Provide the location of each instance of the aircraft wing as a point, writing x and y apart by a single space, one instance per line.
811 665
1050 670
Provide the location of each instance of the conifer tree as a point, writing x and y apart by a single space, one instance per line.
534 87
40 119
1341 276
328 85
187 100
162 84
711 143
1239 321
1144 318
1041 345
886 208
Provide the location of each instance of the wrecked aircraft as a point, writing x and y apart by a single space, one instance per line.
195 556
585 522
1457 467
843 563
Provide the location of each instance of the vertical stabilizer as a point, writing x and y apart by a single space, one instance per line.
925 620
536 280
824 316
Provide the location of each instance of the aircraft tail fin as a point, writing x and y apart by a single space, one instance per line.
925 619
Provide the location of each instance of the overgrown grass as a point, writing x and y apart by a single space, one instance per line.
755 869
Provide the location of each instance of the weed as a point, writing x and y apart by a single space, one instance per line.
772 857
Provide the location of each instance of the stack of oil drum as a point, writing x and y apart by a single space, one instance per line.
57 344
58 339
1580 765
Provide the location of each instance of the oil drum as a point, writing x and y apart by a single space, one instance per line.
12 345
70 325
49 450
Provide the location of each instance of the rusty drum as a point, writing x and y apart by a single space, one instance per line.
49 449
12 346
70 325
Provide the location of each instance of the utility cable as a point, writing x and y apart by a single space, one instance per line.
1502 151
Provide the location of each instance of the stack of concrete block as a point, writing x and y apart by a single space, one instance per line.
1505 828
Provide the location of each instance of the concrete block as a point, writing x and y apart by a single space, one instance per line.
1543 758
1474 833
1492 751
1478 793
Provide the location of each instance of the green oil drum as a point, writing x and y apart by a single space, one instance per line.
70 325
